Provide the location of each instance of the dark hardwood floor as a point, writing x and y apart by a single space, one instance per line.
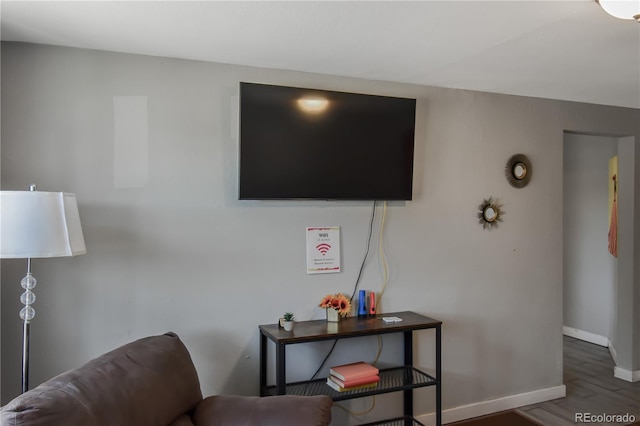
591 388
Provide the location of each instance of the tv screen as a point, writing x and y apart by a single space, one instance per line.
298 143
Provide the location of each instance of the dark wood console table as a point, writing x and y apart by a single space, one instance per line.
404 378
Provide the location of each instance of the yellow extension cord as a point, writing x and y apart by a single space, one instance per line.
385 280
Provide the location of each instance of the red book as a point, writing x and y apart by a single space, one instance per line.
355 382
354 370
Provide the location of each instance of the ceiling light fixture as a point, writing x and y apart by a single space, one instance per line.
622 9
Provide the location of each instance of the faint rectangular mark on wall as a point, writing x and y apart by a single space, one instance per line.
131 142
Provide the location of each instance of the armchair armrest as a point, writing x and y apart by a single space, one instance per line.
283 410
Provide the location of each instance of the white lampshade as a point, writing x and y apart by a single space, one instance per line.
39 224
623 9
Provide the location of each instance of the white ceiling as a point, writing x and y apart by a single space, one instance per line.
556 49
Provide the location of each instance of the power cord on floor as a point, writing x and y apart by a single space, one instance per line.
359 413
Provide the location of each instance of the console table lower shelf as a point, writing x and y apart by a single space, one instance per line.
391 380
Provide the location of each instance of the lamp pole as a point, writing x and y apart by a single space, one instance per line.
27 313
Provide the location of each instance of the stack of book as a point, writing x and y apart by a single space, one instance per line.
358 375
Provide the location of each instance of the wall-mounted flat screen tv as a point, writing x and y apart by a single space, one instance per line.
298 143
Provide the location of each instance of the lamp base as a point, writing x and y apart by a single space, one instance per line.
26 329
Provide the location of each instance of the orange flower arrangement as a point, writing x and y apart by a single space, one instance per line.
338 301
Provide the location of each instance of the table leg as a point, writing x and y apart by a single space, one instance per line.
263 363
408 361
438 376
281 366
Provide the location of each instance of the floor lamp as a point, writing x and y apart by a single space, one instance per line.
35 224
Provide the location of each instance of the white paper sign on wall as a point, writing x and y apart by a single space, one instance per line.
323 249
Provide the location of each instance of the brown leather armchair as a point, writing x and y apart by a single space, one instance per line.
152 382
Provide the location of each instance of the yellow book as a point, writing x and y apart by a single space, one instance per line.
339 388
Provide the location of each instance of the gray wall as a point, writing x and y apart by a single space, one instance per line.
173 249
590 272
627 310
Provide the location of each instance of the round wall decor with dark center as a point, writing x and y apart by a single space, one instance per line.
490 213
518 170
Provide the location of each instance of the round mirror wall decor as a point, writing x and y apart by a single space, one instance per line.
518 170
490 213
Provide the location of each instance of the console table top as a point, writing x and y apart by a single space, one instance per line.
315 330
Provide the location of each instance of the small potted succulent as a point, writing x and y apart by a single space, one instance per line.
288 321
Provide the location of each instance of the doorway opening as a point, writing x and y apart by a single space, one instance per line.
598 287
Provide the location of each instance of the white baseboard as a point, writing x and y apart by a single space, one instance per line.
614 353
628 375
586 336
477 409
620 373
